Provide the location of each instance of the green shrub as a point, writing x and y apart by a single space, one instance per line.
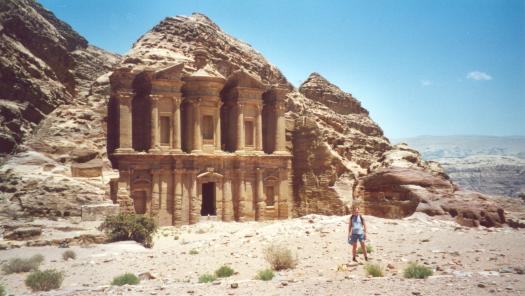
126 226
369 249
125 279
416 271
69 254
265 275
194 252
44 280
2 290
207 278
16 265
374 270
279 257
224 271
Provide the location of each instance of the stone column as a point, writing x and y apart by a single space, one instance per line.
261 203
258 132
125 122
218 127
219 199
123 192
242 197
240 127
280 131
177 195
155 144
195 210
197 137
283 194
176 124
227 213
155 194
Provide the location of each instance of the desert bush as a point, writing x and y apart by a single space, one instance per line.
44 280
125 279
207 278
417 271
69 254
2 290
374 270
16 265
194 252
279 257
126 226
265 275
224 271
369 249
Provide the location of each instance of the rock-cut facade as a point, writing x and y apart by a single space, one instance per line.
190 144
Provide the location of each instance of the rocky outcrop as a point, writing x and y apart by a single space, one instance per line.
334 142
52 110
43 64
175 39
401 183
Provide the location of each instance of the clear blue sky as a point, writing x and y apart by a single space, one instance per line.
420 67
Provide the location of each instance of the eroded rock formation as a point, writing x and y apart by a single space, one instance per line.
43 64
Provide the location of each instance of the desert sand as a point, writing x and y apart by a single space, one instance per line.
466 261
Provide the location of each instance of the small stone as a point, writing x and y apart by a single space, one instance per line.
481 285
416 293
234 285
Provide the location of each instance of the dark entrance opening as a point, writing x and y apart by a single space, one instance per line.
139 201
208 199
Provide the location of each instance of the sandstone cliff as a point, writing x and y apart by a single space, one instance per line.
52 110
340 154
43 64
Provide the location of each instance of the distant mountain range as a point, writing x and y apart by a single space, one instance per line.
489 164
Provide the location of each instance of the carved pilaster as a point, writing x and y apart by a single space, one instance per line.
155 141
261 204
280 132
258 132
155 193
240 127
218 127
176 124
195 207
124 99
227 213
197 136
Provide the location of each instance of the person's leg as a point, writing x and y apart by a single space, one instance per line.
363 247
354 250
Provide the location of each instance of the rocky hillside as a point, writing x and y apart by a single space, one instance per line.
488 164
43 64
340 155
52 108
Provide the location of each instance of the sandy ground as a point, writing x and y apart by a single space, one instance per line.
466 261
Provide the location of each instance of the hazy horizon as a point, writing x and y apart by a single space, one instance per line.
420 68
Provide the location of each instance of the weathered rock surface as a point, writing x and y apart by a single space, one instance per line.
401 183
175 39
50 88
43 64
488 164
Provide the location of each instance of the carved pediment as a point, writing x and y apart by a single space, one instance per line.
210 175
172 72
242 78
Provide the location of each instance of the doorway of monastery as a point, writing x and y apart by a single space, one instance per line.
139 201
208 199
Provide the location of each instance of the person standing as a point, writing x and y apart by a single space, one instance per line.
357 231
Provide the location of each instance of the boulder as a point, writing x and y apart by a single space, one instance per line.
98 211
23 233
90 169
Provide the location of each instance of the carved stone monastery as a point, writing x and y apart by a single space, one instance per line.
194 144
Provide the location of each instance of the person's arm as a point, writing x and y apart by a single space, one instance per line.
350 226
364 226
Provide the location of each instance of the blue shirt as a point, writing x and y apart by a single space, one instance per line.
357 225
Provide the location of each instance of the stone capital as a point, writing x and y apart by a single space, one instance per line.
154 98
123 95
